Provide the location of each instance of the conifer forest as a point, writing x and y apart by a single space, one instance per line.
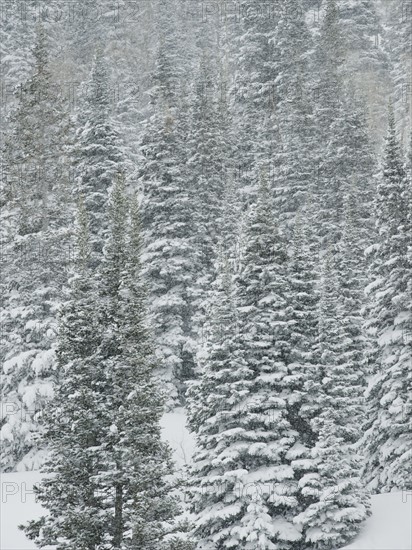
206 207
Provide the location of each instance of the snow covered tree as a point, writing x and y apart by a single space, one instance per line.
340 506
89 22
243 486
73 424
232 218
252 92
367 64
343 153
168 217
209 168
293 167
16 40
36 237
398 46
337 504
98 152
388 439
138 460
302 318
109 488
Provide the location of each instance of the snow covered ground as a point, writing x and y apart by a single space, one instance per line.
389 528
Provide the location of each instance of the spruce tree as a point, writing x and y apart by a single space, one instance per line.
109 463
208 170
168 216
36 237
398 45
336 503
302 319
252 92
98 151
343 153
367 64
73 422
246 496
292 164
387 438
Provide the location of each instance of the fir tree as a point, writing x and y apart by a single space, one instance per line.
252 93
209 168
98 152
387 438
73 422
343 153
36 235
246 496
336 502
109 488
398 45
367 64
168 216
293 167
302 318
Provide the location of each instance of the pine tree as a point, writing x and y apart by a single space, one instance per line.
292 164
208 170
104 426
138 459
36 241
73 421
168 216
398 46
16 39
336 502
343 150
246 487
367 64
302 318
252 92
387 439
98 151
340 506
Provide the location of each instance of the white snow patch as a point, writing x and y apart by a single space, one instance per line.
17 361
18 506
176 433
43 361
390 526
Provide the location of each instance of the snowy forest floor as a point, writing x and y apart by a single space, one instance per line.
389 527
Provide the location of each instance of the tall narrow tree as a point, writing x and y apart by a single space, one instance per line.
168 215
388 438
249 495
98 152
336 502
104 426
36 236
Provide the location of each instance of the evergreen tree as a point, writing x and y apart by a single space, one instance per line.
109 490
36 217
208 170
252 92
398 46
302 318
98 152
73 422
246 487
387 438
343 153
367 64
293 168
336 502
168 217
